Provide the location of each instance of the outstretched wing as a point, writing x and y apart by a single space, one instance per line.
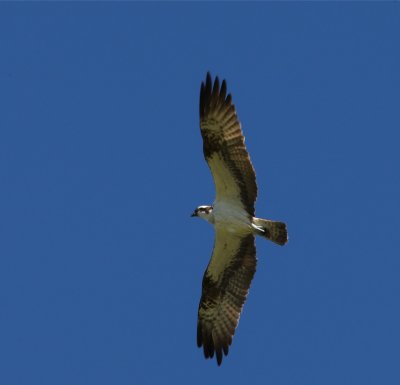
226 284
224 148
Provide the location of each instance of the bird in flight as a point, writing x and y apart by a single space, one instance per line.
233 262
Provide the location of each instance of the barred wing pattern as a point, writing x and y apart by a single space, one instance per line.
226 284
224 147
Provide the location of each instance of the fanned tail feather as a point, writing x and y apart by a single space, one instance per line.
272 230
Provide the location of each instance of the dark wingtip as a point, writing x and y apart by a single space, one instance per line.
208 83
205 94
213 94
223 90
226 349
199 340
211 348
218 353
216 86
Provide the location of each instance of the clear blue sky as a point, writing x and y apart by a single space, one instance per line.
101 165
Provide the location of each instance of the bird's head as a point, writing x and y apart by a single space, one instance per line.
203 212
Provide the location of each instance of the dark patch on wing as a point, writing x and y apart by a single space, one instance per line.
222 134
222 299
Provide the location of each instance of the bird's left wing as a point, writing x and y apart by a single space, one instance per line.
226 284
224 147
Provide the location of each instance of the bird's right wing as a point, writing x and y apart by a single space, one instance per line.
226 284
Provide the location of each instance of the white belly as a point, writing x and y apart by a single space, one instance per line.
231 217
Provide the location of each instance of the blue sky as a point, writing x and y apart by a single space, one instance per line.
101 165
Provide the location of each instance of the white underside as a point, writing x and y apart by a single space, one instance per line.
233 218
231 223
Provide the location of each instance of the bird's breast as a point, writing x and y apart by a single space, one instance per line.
231 216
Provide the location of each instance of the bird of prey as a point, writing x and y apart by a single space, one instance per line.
232 266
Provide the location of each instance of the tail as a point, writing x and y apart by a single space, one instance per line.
274 231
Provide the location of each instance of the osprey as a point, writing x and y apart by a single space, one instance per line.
232 266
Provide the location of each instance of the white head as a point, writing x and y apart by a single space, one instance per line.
203 212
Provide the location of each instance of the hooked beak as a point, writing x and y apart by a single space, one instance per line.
194 214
